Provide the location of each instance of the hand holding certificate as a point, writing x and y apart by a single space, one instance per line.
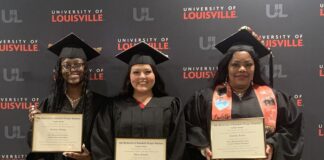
238 138
57 133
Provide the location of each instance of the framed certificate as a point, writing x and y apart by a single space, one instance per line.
140 149
57 132
238 138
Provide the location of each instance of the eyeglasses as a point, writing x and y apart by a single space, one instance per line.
76 66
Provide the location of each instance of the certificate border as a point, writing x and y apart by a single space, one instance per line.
238 119
164 139
60 114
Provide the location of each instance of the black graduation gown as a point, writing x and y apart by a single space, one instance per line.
161 118
287 141
95 101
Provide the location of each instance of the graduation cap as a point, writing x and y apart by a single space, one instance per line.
246 36
72 46
142 53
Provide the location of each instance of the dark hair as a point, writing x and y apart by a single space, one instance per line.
222 71
58 88
158 88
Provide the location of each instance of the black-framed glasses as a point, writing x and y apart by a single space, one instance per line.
76 66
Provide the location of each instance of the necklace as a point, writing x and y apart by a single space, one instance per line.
239 94
74 102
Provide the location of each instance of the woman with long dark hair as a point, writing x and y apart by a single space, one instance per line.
143 110
239 91
70 93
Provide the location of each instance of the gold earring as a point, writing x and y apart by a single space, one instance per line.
225 83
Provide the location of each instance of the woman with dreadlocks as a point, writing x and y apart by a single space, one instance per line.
70 93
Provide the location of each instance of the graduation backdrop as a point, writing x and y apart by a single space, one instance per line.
186 30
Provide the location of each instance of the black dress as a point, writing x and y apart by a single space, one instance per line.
94 102
287 141
161 118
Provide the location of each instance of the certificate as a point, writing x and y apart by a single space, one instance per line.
57 132
238 138
140 149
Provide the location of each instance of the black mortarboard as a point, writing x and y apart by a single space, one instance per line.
246 36
142 53
72 46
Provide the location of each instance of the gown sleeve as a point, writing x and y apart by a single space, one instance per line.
177 136
197 115
102 138
196 118
288 139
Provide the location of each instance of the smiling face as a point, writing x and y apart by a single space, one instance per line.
73 70
142 78
241 70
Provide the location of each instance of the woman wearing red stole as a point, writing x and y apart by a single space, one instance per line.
239 91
